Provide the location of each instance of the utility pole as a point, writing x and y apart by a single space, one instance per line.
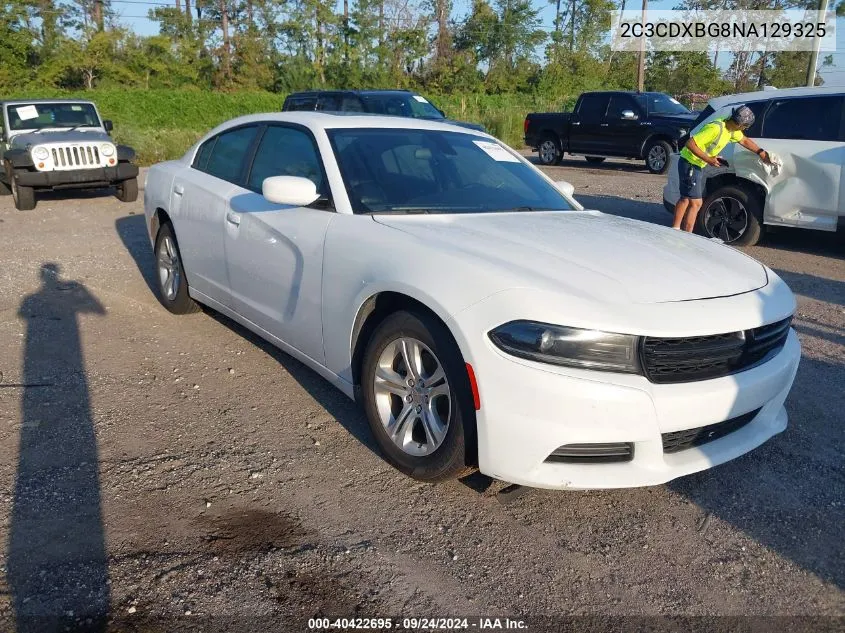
227 49
814 56
188 10
641 62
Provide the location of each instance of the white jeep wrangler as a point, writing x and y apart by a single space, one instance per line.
51 144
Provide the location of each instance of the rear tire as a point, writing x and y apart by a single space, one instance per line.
657 156
172 283
595 159
549 151
5 190
733 214
406 409
127 191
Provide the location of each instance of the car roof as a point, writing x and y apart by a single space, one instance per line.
759 95
336 120
386 91
6 102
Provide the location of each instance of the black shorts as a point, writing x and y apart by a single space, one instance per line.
690 179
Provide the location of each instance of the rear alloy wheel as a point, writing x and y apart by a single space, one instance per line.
731 214
657 156
172 285
417 396
548 152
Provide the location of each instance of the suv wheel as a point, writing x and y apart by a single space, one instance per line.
657 156
732 214
24 197
127 191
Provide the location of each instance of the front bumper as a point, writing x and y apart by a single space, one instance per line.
529 412
77 178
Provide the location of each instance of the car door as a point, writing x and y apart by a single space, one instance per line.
199 202
586 133
274 253
621 134
807 134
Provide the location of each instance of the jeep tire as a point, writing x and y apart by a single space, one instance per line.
127 191
24 197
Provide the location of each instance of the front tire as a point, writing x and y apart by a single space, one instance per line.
172 283
733 214
127 191
417 397
549 151
24 197
657 156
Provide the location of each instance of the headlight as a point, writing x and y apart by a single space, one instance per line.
106 149
40 153
573 347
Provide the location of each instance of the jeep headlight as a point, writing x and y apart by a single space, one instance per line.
40 153
107 149
569 346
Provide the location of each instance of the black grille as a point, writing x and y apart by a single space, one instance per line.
681 440
691 358
593 453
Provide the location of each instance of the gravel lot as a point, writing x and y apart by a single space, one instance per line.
165 469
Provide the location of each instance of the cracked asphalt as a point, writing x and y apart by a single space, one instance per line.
162 473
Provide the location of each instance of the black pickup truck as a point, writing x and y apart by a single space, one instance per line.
640 125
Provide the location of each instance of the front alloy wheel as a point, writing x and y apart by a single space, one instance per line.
726 218
172 285
417 396
413 397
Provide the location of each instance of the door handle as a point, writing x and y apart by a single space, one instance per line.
604 124
233 218
178 190
576 123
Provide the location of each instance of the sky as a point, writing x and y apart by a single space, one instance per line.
132 14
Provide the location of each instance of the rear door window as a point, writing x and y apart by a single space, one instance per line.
229 153
593 107
302 103
329 102
804 118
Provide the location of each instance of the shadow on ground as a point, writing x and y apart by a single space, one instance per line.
57 566
133 233
609 164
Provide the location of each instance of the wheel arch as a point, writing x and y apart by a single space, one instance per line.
657 136
158 218
372 312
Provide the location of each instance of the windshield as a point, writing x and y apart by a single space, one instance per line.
664 104
39 116
429 171
406 105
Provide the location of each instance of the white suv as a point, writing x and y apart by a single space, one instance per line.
806 128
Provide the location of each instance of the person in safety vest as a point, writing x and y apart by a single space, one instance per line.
703 149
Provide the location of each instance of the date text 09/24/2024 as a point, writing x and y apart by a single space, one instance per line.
416 624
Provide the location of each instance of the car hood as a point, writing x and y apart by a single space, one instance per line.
680 120
59 136
591 254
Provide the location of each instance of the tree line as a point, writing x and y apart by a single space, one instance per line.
498 47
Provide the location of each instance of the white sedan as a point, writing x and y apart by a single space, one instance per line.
477 312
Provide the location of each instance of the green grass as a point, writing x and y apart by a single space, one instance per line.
162 124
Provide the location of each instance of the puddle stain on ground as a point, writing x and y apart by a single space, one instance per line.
240 531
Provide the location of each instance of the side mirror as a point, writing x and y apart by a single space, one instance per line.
568 189
108 125
291 191
629 115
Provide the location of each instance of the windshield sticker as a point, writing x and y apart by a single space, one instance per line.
675 101
420 99
76 108
25 113
496 152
